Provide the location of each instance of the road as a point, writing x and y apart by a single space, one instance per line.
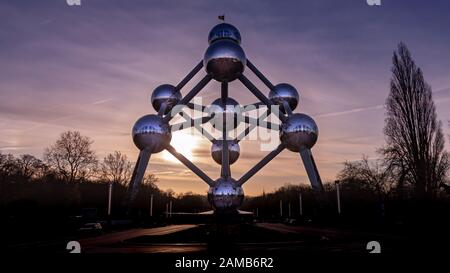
118 237
291 239
323 232
327 232
95 244
312 239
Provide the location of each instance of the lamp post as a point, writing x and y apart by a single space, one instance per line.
300 203
281 208
289 209
151 205
338 196
110 186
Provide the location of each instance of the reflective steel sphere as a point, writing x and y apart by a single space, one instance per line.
150 132
224 31
233 151
224 60
299 132
165 93
284 92
233 114
225 195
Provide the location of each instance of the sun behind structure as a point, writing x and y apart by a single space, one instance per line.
184 143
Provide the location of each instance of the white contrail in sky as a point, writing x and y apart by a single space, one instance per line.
377 107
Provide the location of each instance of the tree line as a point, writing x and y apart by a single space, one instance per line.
70 178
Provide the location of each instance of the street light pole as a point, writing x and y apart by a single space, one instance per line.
151 205
281 208
110 186
338 196
301 203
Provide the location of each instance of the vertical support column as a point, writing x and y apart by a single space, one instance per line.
225 169
224 92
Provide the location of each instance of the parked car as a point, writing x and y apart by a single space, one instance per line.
290 221
91 227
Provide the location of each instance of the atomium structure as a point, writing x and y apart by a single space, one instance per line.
224 61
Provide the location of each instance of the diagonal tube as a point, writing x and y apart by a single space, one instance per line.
195 90
264 124
190 165
190 123
250 86
260 164
189 76
196 124
252 125
259 74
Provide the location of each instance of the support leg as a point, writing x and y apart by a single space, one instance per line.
311 170
137 177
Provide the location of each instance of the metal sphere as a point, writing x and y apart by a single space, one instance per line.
152 133
299 132
224 31
165 93
284 92
233 151
225 195
224 60
233 114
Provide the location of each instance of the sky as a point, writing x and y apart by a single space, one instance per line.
92 68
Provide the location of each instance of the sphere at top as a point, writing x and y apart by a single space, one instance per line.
299 132
224 60
152 133
165 93
225 195
224 31
284 92
233 151
233 114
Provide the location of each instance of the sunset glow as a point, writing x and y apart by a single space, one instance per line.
184 144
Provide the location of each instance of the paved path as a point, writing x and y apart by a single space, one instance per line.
117 237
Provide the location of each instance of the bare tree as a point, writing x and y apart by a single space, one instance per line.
7 165
150 179
415 143
116 168
30 166
71 156
373 175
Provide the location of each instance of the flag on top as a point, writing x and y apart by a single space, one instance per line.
222 17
